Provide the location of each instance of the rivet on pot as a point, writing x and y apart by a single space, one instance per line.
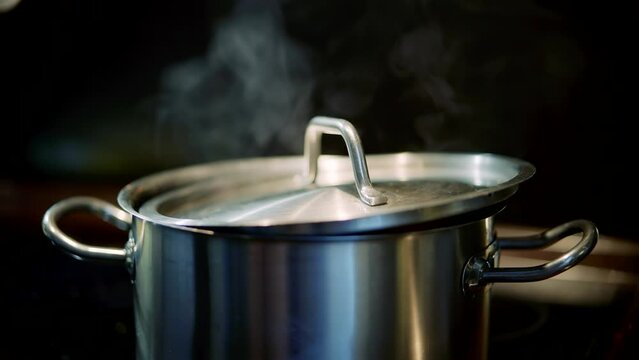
129 257
471 278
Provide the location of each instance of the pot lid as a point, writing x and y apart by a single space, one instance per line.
326 194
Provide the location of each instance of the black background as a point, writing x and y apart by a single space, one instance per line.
87 73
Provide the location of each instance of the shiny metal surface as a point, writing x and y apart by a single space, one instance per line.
102 209
200 294
479 271
312 149
245 259
270 196
315 194
350 297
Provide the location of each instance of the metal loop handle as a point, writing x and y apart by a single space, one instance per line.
312 147
541 240
104 210
478 271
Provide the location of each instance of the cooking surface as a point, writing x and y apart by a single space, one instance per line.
83 310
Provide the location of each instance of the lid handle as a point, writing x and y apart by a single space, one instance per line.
320 125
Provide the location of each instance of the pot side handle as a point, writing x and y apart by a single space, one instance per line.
100 208
479 272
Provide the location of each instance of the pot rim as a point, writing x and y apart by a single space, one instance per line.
504 172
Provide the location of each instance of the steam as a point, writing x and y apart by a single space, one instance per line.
423 56
248 96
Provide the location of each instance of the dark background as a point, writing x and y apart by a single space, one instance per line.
90 89
98 93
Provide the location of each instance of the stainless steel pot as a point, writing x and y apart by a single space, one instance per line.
283 258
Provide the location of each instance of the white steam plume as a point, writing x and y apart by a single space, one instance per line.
249 96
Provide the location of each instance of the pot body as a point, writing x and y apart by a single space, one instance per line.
249 259
387 296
